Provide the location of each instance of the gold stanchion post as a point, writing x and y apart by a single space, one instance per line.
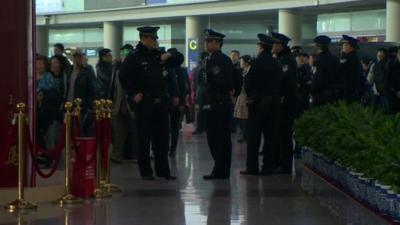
21 203
78 104
68 198
99 192
108 186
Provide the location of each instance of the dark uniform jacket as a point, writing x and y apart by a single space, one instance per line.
263 80
326 84
351 76
219 69
200 76
289 83
305 78
144 72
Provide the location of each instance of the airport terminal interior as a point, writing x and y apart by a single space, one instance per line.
200 112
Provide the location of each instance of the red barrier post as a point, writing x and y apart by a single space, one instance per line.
99 192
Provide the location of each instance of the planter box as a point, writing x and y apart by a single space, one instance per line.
369 192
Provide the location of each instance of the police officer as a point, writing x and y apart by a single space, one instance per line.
325 87
147 83
351 71
289 103
262 88
219 90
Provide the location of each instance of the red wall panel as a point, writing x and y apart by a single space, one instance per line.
15 61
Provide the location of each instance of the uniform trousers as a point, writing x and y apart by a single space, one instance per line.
263 121
218 121
153 128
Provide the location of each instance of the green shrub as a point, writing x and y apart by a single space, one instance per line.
363 139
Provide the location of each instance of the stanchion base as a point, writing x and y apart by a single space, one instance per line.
20 204
101 193
68 200
112 188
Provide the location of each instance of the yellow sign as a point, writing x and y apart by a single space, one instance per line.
193 45
12 156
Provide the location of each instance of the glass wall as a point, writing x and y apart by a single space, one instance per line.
58 6
87 39
360 24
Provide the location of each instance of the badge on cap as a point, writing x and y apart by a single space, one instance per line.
285 68
216 70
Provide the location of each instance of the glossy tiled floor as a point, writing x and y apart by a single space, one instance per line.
302 199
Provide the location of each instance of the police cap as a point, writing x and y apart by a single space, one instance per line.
265 40
149 31
322 40
213 35
280 38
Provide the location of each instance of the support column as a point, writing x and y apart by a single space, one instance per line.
393 20
290 24
195 26
113 35
42 40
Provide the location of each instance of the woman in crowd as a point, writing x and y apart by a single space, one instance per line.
44 86
241 111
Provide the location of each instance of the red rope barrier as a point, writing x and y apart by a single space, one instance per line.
77 126
105 138
58 152
46 152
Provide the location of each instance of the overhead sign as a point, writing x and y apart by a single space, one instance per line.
193 56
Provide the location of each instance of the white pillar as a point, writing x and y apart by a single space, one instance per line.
290 24
113 36
42 40
195 26
393 20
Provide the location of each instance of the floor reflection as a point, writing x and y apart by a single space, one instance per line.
277 200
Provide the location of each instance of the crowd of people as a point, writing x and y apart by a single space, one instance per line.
152 92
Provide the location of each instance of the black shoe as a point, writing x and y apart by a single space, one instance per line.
170 177
148 178
248 172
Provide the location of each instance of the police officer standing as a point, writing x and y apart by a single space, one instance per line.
351 70
325 88
262 88
147 83
289 103
219 89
